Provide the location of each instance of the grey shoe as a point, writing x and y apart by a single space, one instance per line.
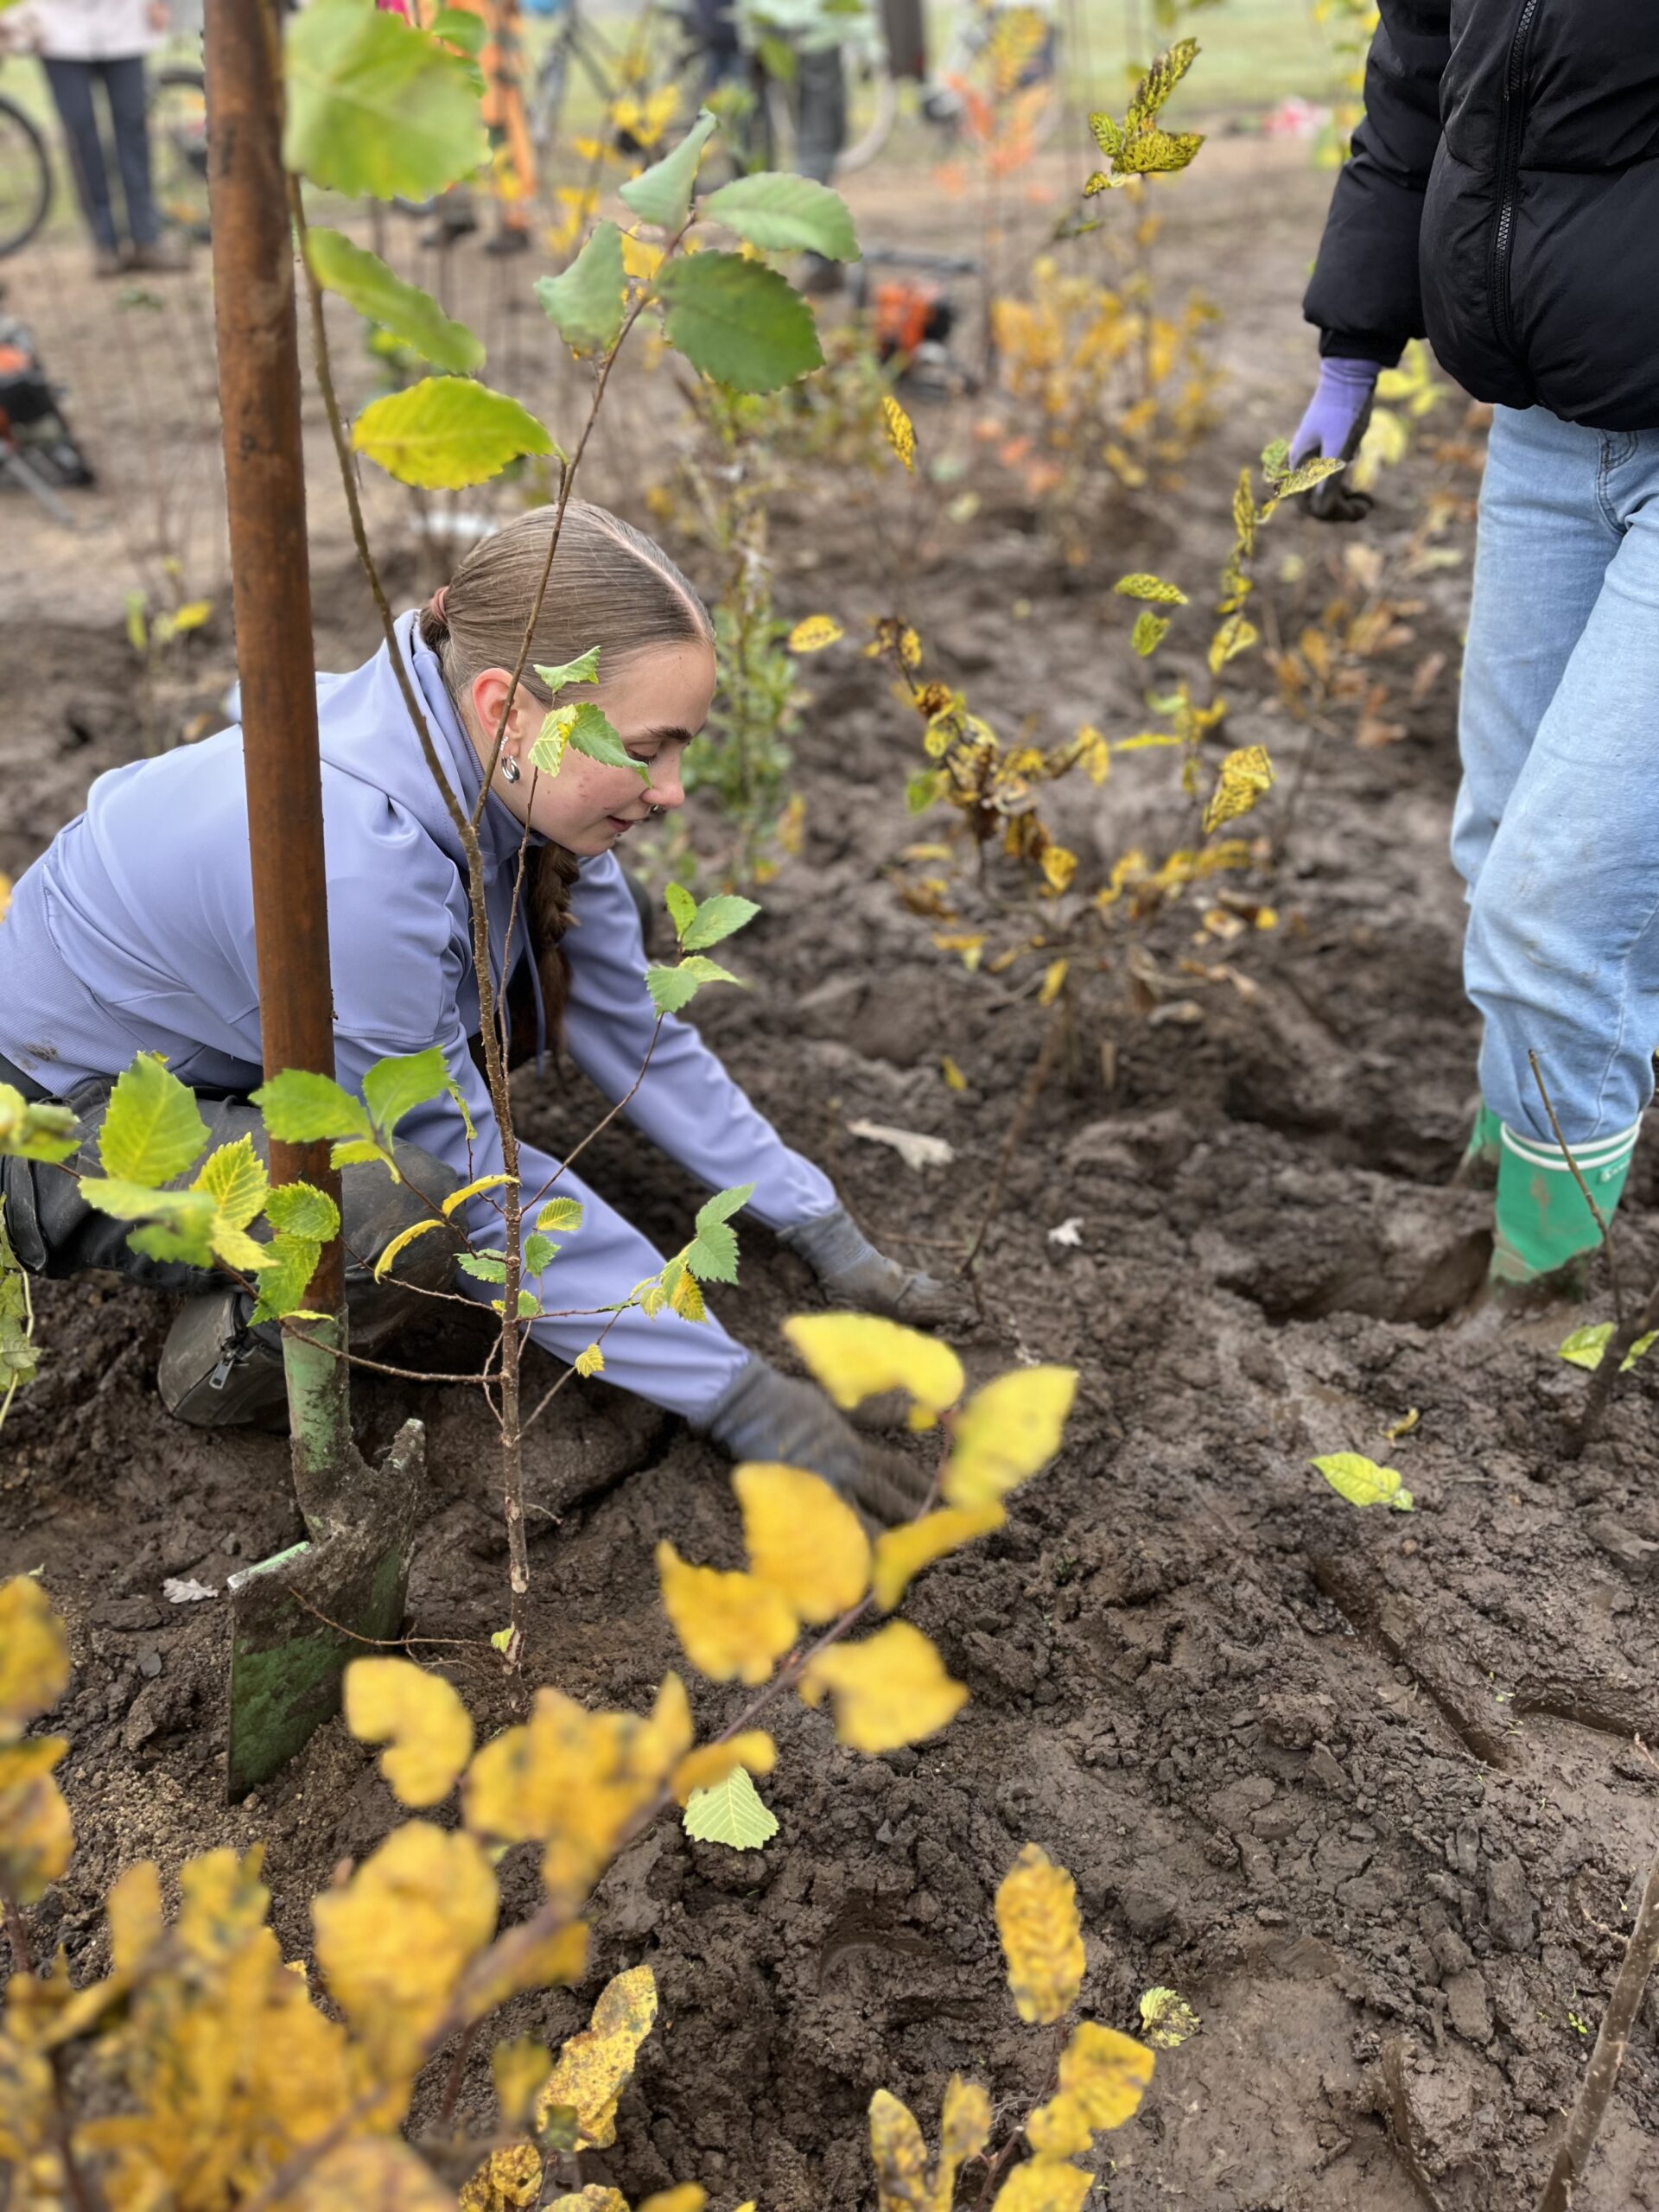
216 1372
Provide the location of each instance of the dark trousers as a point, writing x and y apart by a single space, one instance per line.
123 87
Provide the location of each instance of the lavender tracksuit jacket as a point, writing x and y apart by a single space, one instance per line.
134 933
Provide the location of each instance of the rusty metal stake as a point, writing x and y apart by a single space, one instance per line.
297 1618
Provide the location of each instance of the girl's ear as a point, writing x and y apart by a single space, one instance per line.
487 695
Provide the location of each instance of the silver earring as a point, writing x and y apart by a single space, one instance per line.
510 770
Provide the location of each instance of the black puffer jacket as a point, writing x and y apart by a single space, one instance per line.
1502 200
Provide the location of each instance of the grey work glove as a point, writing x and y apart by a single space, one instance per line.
853 1272
771 1417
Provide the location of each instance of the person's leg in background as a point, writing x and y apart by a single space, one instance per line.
1539 492
1563 955
71 86
125 88
819 99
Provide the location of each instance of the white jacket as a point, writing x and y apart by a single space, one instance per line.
84 30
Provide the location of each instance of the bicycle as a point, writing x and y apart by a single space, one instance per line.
178 122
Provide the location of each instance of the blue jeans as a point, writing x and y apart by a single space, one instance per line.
1556 831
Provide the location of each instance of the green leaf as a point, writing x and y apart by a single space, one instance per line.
671 989
717 918
291 1263
560 1214
235 1177
364 1152
183 1220
738 321
484 1267
300 1108
712 1253
529 1305
302 1211
583 669
785 214
723 1205
1160 81
374 106
364 283
593 732
447 432
584 303
731 1813
461 29
29 1131
922 790
1586 1347
539 1252
1275 460
681 907
151 1129
395 1087
705 970
546 754
1141 586
662 194
1362 1482
1148 631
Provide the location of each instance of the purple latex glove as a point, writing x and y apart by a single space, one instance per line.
1332 428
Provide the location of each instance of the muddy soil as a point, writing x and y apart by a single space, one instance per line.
1365 1788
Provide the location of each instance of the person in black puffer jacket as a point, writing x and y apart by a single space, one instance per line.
1502 200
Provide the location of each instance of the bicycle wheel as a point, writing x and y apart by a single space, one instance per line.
25 177
178 140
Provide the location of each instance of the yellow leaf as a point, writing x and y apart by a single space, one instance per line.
37 1837
401 1242
1362 1482
1104 2076
902 1552
5 895
508 2181
1042 1936
593 2199
1054 981
556 1961
754 1750
803 1540
590 1362
374 2174
686 1298
639 260
420 1719
471 1190
890 1690
859 1355
1167 2017
1094 753
34 1656
394 1940
729 1625
518 2068
1043 2185
899 2156
901 431
813 634
192 614
574 1780
1059 866
1245 775
1006 1432
687 2198
954 1078
595 2066
964 2132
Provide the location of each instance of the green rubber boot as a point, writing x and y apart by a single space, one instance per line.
1478 1169
1542 1223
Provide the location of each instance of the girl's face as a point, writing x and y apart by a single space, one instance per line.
657 702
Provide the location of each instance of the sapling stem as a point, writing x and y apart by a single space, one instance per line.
1590 2108
1584 1190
